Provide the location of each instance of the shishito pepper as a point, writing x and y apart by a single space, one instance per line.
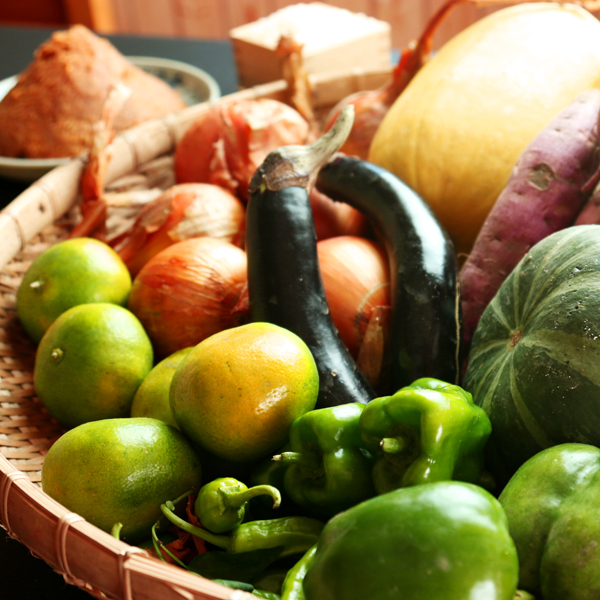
294 535
428 431
436 541
552 504
329 470
221 503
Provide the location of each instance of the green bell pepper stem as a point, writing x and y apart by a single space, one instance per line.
394 445
298 458
293 588
294 534
221 504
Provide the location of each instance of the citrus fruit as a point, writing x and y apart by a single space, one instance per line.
237 393
152 397
90 363
76 271
120 471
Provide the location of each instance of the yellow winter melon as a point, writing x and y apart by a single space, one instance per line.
457 130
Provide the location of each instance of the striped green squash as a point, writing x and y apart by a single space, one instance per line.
534 365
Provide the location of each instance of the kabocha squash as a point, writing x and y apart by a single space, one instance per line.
457 130
534 365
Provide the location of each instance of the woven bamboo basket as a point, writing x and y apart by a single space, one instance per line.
41 216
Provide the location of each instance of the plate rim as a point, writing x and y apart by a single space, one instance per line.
30 169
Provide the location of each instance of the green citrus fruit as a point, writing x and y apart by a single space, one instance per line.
120 471
237 393
90 363
152 397
76 271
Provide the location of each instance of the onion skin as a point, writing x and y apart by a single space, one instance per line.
226 145
181 212
334 219
188 292
356 278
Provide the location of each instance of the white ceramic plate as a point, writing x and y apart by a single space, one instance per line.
194 84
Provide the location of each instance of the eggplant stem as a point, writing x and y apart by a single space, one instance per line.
299 165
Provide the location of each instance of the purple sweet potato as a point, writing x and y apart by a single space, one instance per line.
590 213
544 193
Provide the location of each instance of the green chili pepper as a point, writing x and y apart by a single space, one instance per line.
329 470
271 579
295 534
293 584
247 587
266 594
221 504
238 567
235 585
428 431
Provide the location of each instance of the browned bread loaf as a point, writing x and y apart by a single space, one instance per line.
57 99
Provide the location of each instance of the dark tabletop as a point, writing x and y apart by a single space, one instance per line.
17 45
23 577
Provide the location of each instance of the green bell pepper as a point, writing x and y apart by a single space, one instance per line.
328 470
221 504
425 432
552 504
436 541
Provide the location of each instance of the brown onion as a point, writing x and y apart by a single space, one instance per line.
183 211
336 218
227 144
188 292
355 274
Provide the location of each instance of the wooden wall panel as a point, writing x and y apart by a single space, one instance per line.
214 18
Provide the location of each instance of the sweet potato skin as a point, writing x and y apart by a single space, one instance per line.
544 193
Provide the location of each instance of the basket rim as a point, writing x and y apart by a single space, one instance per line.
120 571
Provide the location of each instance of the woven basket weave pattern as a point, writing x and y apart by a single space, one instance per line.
42 216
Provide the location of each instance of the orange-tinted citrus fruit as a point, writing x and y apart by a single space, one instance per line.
237 393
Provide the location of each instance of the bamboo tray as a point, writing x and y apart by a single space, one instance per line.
41 216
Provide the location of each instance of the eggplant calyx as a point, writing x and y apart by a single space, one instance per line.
299 165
